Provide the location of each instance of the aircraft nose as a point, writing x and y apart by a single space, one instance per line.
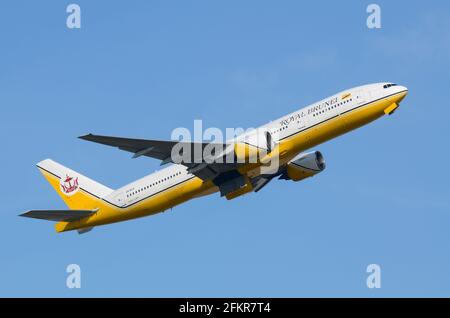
403 88
402 92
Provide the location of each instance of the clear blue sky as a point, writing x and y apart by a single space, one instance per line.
142 68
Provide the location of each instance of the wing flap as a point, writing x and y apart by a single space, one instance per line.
58 215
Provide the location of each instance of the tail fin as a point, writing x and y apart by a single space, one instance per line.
77 191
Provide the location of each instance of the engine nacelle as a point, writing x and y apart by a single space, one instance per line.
303 166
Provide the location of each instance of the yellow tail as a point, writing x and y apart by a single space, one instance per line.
77 191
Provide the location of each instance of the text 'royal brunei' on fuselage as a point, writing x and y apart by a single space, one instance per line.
286 139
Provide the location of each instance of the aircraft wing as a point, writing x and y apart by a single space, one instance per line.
162 150
158 149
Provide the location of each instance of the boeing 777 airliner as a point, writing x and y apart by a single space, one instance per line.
283 141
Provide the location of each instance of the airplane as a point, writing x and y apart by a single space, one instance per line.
191 176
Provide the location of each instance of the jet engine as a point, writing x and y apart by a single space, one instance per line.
303 166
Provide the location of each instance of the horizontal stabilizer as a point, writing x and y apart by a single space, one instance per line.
58 215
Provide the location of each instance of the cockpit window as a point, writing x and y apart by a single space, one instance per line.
389 85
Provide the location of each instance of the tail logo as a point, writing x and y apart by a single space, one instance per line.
69 185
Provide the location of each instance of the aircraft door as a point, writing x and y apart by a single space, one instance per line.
362 96
119 199
302 122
